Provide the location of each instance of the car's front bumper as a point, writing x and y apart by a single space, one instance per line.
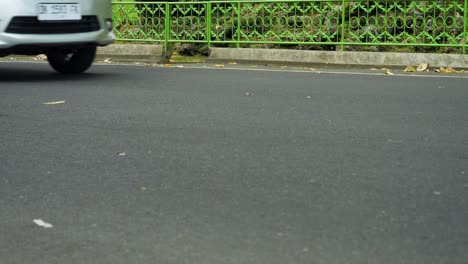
102 37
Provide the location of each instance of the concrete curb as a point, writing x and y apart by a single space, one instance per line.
153 54
131 52
348 58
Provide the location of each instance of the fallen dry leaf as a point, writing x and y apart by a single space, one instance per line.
387 71
54 103
447 70
410 69
451 70
122 154
422 67
40 57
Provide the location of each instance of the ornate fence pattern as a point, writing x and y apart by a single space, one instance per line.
336 24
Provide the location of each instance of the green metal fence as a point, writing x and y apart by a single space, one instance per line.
328 24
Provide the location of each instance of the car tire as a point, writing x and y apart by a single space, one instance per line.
71 62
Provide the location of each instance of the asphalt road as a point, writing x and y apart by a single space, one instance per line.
214 166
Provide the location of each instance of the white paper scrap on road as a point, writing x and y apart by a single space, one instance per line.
54 103
43 224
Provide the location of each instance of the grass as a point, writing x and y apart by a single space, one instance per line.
177 58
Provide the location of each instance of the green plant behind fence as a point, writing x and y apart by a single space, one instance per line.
325 23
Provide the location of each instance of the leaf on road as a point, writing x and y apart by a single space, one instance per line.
308 97
387 71
219 65
422 67
450 70
122 154
43 224
40 57
446 70
410 69
54 103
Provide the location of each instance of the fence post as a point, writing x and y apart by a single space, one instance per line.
239 23
465 25
343 17
167 29
208 24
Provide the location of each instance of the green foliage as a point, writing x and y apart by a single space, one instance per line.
125 13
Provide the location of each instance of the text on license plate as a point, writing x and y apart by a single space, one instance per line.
66 11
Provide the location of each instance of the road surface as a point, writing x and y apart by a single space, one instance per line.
133 164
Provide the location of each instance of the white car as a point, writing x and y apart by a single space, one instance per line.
67 31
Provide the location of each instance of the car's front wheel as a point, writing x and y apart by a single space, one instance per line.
76 60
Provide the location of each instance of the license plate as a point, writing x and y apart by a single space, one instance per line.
66 11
